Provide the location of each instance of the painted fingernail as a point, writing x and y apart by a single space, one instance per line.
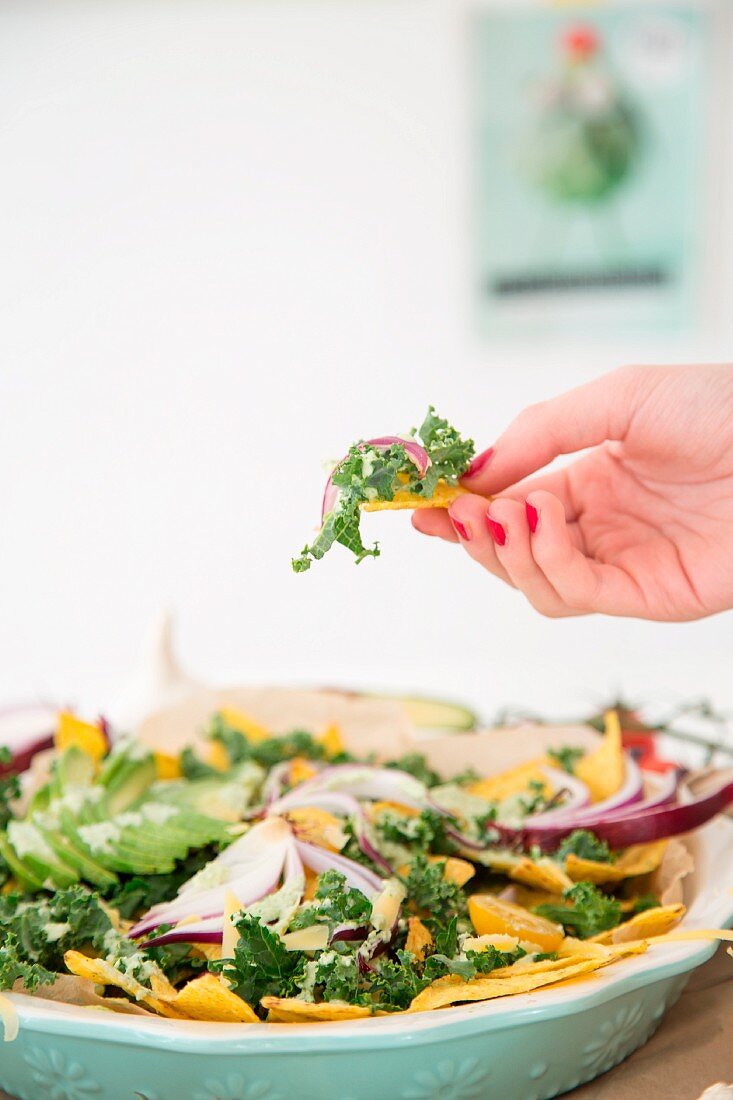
461 530
496 530
479 462
533 516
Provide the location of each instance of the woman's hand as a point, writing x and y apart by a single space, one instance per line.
640 526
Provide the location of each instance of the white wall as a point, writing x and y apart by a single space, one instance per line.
233 239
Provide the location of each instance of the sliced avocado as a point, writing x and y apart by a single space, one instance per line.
73 769
32 850
89 869
128 782
23 874
428 713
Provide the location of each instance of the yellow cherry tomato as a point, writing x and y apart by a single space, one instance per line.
491 915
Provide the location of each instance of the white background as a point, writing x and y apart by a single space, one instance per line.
234 237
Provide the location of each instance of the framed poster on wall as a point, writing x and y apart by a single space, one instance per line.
590 152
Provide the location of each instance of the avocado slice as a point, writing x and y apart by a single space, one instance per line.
128 782
26 878
427 713
73 769
32 850
87 867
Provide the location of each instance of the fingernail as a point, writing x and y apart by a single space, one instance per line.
533 516
461 530
496 530
479 462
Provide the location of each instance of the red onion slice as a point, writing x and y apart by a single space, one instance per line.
578 796
415 452
26 729
210 930
645 824
356 875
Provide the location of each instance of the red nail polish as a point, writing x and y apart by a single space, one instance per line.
533 516
479 462
496 530
461 530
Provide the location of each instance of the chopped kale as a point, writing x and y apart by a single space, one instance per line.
370 473
586 912
585 845
431 893
566 757
417 766
262 966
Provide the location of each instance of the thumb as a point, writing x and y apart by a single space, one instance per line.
582 417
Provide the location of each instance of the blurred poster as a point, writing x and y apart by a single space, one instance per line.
589 166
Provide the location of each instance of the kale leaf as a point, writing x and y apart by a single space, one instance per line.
39 933
430 892
585 845
262 966
9 786
587 911
566 757
416 765
334 903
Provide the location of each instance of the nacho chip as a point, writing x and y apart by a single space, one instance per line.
377 808
573 948
452 990
242 722
418 938
70 730
639 859
332 741
652 922
300 770
515 781
603 770
289 1010
167 766
455 870
541 874
318 827
209 951
210 998
101 972
443 497
217 756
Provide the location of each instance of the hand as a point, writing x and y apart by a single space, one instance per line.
640 526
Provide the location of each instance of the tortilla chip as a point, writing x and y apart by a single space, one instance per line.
443 497
332 741
217 756
652 922
639 859
455 870
515 781
210 998
300 770
418 938
452 990
210 951
242 722
542 874
289 1010
101 972
381 807
71 990
529 898
572 948
85 736
167 766
603 771
319 827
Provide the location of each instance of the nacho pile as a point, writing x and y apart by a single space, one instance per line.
280 879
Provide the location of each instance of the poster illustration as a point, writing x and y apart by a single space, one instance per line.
589 167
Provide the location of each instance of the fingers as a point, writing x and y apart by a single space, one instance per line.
434 521
579 581
501 541
583 417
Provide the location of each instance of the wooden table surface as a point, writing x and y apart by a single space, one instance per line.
692 1049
